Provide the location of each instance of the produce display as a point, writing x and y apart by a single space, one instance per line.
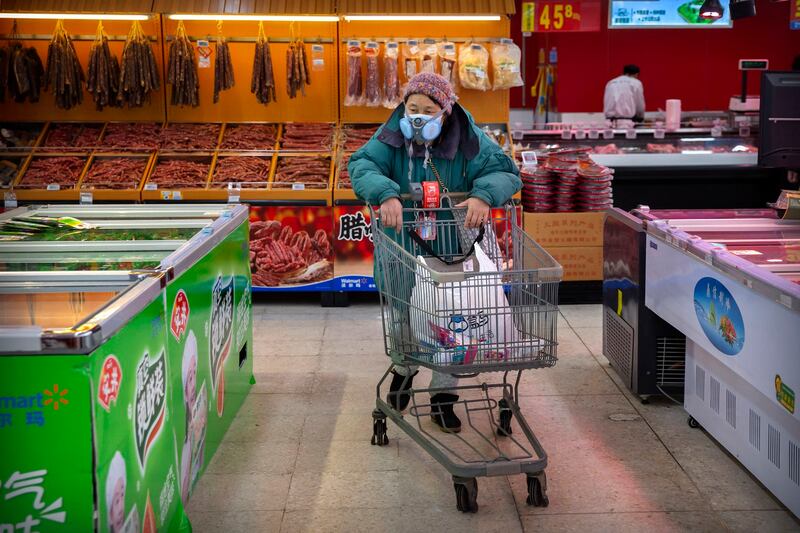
372 93
262 82
312 172
248 172
280 256
187 136
182 70
9 167
355 87
21 72
139 71
44 171
19 135
133 136
297 72
63 71
180 174
223 67
473 67
308 136
115 173
72 135
78 266
103 74
94 235
356 135
249 137
565 181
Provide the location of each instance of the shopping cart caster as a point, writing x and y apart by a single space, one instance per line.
537 490
504 422
466 494
379 437
694 424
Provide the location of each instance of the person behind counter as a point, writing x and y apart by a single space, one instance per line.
624 96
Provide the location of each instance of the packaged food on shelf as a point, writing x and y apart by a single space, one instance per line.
307 136
391 76
372 93
355 86
429 55
242 171
131 136
66 136
20 135
506 58
249 137
302 173
473 67
448 61
354 136
180 172
115 172
191 136
411 58
52 173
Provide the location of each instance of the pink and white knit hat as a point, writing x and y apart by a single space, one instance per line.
435 87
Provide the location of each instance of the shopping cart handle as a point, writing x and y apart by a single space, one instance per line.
430 251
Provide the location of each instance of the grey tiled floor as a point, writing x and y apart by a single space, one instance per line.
297 457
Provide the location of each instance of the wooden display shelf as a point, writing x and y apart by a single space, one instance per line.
243 194
117 195
200 193
294 193
50 194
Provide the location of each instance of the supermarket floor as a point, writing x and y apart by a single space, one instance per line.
298 457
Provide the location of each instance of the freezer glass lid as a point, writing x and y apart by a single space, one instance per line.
100 234
53 309
80 261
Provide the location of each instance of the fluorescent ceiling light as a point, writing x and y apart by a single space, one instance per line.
73 16
438 18
265 18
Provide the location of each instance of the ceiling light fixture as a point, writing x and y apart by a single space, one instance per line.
711 10
263 18
72 16
423 18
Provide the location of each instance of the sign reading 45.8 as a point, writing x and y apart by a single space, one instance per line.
561 15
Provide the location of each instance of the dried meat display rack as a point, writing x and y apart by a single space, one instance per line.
283 151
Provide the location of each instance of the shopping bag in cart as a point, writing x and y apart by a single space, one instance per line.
461 322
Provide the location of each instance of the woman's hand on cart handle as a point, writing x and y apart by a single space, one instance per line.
391 213
478 212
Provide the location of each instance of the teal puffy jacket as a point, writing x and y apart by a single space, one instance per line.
467 160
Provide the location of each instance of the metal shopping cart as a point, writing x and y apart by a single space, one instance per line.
446 308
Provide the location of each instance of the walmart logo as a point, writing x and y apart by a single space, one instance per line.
56 397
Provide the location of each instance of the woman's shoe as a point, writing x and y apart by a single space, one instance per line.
442 412
398 396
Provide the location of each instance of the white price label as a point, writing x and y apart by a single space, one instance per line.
298 186
53 187
176 195
233 198
86 198
10 199
151 186
317 48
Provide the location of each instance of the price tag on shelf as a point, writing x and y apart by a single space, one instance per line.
151 186
53 187
298 186
10 200
177 195
86 198
549 16
165 195
233 197
630 133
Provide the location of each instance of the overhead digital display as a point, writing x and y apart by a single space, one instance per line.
662 14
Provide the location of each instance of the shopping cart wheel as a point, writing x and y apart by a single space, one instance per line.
466 494
537 491
379 437
504 423
694 424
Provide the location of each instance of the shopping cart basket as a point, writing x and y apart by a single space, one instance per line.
434 295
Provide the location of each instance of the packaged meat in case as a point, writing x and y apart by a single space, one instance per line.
172 171
372 93
307 137
429 55
241 171
473 67
115 172
54 173
131 136
448 62
249 137
300 173
355 87
391 77
506 58
411 58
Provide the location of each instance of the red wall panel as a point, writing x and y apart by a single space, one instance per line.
698 66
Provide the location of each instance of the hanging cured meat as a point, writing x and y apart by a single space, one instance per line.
262 82
64 73
139 71
182 70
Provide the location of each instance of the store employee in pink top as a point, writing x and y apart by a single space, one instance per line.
624 97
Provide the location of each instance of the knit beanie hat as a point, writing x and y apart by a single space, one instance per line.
435 87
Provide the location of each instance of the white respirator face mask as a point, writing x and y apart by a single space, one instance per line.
422 128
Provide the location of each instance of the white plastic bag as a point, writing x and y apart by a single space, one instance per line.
463 323
473 67
506 58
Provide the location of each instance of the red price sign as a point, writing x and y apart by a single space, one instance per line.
561 16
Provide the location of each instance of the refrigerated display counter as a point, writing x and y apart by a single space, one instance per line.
129 343
688 168
731 286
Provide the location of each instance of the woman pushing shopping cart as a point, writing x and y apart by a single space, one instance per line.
463 289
